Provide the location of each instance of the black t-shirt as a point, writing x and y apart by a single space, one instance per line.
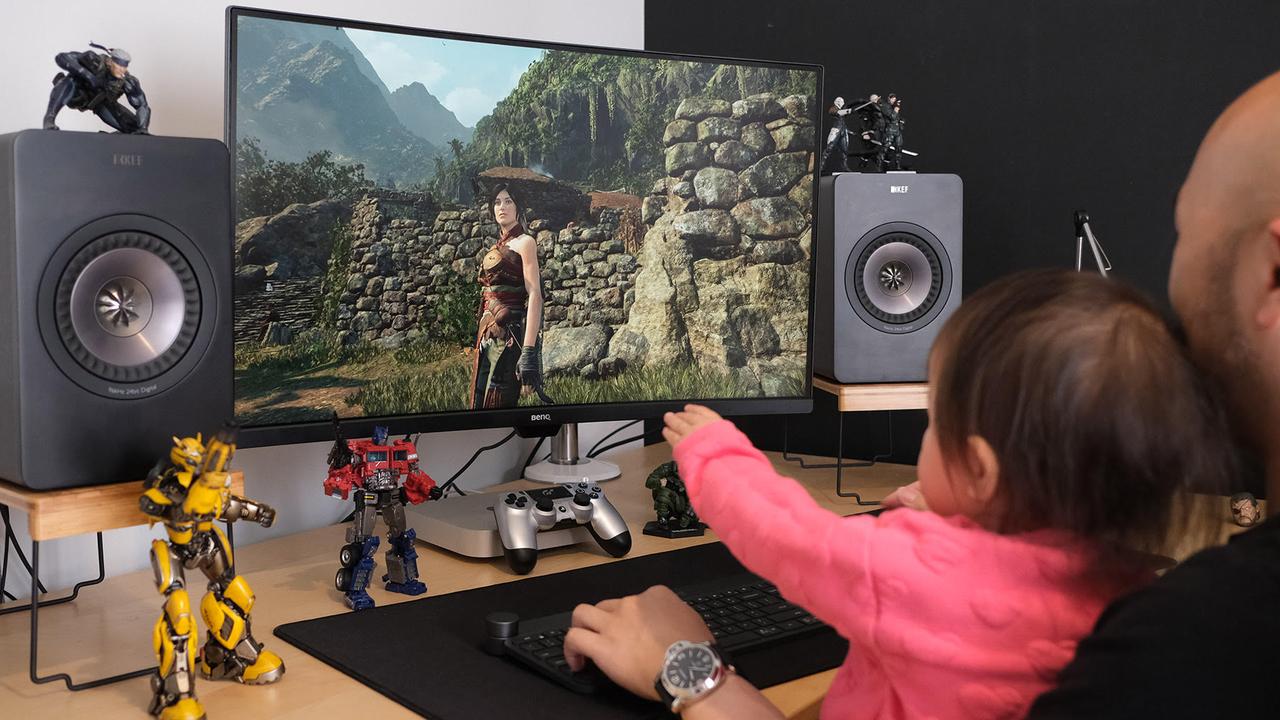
1201 642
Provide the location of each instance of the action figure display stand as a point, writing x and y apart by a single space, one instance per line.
65 513
861 398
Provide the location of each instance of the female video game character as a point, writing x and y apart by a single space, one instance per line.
507 352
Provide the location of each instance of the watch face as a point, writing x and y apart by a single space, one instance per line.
689 667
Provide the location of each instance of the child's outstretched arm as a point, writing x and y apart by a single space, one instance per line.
817 559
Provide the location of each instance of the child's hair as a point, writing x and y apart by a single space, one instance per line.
1094 411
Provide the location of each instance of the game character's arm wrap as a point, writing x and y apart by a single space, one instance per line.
530 366
240 508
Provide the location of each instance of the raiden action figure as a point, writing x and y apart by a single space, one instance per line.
93 82
372 470
188 495
837 139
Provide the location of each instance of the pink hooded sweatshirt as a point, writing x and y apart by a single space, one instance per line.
944 619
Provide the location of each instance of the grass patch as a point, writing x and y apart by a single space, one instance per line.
424 352
444 387
309 351
671 382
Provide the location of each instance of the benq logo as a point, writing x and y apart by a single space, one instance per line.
893 189
540 416
126 160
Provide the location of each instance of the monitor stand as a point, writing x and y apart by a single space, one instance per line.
565 465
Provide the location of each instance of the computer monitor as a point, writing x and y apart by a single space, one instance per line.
668 203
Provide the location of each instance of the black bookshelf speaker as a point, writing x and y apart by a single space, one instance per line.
115 281
889 269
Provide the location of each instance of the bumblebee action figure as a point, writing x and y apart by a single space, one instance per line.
188 495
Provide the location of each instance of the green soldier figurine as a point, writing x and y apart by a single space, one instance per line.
676 517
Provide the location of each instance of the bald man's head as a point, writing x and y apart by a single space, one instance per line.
1225 278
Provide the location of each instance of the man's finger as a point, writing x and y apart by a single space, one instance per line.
590 617
580 644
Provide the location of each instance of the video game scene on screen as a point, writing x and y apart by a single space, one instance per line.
669 206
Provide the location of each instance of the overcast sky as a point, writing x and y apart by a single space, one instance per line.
469 78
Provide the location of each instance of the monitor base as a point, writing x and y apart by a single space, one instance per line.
585 470
565 465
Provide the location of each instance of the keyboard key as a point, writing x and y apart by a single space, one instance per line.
732 642
785 615
791 625
767 631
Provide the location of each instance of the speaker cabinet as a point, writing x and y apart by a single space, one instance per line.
115 331
889 268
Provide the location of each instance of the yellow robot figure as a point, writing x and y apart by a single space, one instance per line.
188 494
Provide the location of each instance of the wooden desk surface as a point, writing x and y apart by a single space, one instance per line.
107 630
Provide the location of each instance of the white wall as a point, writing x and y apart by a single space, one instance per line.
178 55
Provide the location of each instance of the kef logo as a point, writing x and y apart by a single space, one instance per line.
126 160
542 416
893 189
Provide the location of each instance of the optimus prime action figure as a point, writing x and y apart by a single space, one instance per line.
188 494
94 82
373 468
676 517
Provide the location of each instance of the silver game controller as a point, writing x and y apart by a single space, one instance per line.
523 514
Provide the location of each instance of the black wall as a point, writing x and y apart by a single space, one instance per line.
1041 107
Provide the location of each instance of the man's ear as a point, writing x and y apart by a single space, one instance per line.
984 471
1268 312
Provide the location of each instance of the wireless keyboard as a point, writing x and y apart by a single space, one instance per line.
742 611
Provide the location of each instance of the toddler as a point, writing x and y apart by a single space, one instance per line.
1064 420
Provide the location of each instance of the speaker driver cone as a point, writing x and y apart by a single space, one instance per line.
127 306
895 277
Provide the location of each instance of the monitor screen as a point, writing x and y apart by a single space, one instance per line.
434 225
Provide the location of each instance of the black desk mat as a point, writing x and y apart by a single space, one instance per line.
427 655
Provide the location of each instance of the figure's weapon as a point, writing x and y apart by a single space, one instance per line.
340 453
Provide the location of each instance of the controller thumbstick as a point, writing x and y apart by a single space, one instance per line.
545 505
582 499
498 627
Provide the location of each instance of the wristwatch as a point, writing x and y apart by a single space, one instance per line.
690 672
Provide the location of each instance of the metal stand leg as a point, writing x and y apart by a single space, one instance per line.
35 625
839 464
34 607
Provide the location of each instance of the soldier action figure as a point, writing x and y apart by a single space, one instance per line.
187 495
888 131
94 82
372 469
676 517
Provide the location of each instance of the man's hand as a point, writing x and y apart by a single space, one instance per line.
680 424
628 638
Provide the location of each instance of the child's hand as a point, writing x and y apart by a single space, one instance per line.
680 424
907 496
